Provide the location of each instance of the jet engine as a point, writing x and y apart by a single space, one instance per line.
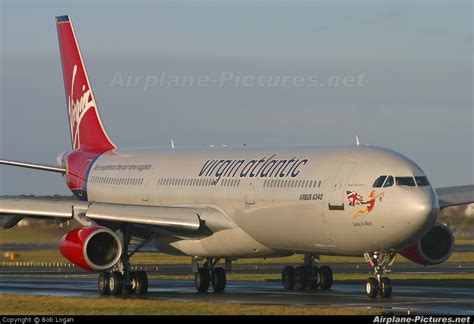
91 248
434 248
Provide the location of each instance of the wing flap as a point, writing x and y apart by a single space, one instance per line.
178 218
30 207
169 217
453 196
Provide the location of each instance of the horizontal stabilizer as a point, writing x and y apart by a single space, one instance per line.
36 166
454 196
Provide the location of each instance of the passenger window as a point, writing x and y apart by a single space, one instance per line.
405 181
379 182
388 182
422 181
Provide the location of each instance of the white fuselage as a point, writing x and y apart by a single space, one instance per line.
277 200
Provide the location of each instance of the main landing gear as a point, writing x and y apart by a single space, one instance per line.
121 280
209 274
307 276
115 283
381 263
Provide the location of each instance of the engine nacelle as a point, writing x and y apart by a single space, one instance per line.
91 248
434 248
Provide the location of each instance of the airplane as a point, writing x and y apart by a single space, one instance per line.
226 203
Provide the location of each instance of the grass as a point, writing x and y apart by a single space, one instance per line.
46 305
464 242
38 234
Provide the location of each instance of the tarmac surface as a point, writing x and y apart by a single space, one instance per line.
414 299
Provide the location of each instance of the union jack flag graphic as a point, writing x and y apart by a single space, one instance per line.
354 199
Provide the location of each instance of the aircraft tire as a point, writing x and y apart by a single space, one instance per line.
385 287
301 278
371 288
140 282
218 280
116 283
325 274
202 280
288 278
103 283
315 278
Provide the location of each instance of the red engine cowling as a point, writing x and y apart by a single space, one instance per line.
434 248
91 248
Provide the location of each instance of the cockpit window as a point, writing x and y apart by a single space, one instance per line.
379 182
405 181
388 182
422 181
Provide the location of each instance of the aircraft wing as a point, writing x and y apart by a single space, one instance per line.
453 196
177 218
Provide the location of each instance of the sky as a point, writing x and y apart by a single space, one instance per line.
396 73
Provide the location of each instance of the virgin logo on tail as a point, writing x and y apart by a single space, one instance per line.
78 108
87 130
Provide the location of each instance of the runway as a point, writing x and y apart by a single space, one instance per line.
416 299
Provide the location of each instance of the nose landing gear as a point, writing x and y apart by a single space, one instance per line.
381 263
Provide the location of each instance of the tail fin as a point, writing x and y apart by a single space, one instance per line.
87 130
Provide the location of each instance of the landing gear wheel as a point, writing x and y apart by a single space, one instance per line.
326 280
218 279
385 287
202 280
371 287
129 289
138 283
301 278
288 278
116 283
103 283
315 279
